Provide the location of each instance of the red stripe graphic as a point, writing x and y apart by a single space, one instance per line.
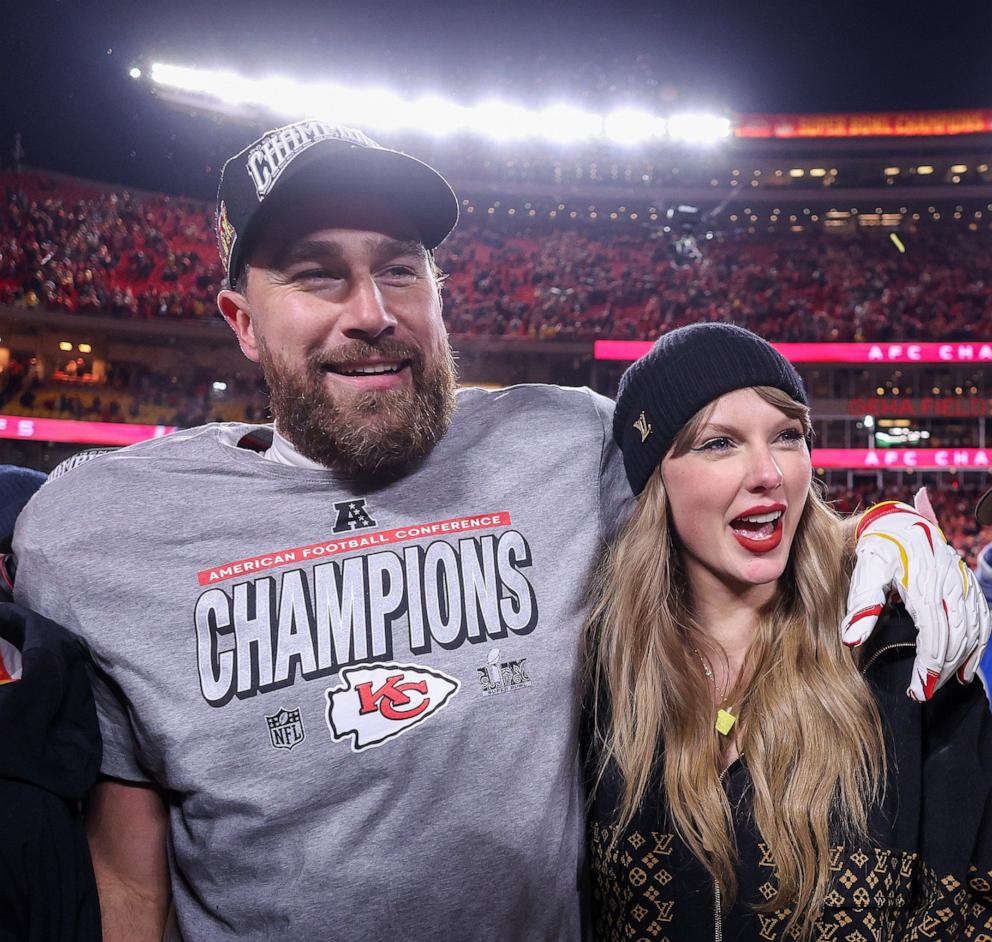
926 530
880 510
857 616
352 542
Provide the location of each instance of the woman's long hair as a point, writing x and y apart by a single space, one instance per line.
809 729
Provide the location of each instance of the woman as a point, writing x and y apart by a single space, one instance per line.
751 778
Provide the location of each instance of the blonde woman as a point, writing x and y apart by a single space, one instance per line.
751 777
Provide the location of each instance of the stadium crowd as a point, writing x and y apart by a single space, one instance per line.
65 246
131 393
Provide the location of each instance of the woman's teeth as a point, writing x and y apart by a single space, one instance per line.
757 526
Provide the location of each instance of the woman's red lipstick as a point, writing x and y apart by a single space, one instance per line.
763 543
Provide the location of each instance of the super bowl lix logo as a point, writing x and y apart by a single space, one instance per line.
501 676
380 701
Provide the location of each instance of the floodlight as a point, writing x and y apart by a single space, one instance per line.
566 123
502 121
135 73
436 115
376 108
385 110
696 128
631 126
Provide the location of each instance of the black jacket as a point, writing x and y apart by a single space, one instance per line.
924 873
49 758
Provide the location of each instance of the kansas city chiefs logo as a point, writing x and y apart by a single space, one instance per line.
380 701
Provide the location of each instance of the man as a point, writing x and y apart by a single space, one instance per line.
337 662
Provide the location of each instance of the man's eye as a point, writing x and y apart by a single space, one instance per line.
399 273
314 274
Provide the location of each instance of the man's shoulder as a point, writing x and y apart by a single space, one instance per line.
98 473
530 399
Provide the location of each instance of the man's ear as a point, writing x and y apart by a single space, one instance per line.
235 309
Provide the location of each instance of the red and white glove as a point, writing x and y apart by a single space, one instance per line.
901 548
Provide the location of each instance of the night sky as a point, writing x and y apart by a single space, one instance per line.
66 88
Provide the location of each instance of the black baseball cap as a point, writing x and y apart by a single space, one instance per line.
983 509
312 156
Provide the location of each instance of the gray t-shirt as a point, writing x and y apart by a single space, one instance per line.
362 703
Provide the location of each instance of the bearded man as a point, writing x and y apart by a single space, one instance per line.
336 659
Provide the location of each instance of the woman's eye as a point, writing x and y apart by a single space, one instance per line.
714 444
791 435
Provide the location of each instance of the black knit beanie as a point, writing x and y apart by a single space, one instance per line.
685 370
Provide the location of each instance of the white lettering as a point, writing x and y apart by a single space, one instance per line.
253 630
212 617
339 603
294 642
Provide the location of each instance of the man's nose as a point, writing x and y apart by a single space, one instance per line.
365 314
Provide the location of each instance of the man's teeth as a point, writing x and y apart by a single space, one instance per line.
376 370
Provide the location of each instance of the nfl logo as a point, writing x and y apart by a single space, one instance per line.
286 729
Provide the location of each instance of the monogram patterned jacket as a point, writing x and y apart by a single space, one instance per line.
925 872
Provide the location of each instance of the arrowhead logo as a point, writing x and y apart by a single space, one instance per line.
380 701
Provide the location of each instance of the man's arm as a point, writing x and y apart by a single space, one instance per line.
127 826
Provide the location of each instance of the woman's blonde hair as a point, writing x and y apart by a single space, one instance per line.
802 687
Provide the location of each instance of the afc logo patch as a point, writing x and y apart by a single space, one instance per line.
380 701
352 515
286 729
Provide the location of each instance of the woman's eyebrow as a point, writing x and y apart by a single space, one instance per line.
710 427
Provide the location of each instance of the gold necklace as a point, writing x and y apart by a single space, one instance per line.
725 718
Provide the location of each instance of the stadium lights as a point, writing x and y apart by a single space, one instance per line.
385 110
632 126
696 128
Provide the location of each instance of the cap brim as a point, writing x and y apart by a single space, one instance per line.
416 190
983 509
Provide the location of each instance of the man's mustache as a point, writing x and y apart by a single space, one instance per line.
358 350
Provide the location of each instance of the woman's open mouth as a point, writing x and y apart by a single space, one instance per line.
758 532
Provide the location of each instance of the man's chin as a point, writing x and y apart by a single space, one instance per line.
361 431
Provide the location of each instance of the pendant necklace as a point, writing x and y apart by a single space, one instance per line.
725 718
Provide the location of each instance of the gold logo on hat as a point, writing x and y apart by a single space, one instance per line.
225 234
644 427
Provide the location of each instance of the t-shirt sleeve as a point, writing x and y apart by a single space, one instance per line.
616 500
44 586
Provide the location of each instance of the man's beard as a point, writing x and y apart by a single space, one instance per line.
379 433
